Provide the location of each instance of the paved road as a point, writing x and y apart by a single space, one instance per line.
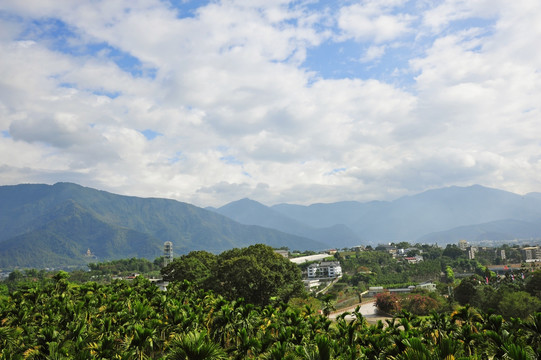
368 310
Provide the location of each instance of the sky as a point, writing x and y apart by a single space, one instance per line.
302 102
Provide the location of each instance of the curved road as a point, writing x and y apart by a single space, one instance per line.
368 310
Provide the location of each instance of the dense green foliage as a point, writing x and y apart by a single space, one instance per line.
508 296
462 281
56 319
124 265
54 226
255 273
417 303
379 268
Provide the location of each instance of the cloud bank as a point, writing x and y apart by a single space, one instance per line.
279 101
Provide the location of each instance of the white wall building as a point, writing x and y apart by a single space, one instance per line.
324 269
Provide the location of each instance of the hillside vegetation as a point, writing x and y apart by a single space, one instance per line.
57 319
256 310
54 226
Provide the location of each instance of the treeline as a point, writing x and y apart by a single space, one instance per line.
57 319
125 265
516 295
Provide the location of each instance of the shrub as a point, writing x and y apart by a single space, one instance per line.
388 302
419 304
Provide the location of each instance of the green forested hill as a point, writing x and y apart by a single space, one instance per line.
48 226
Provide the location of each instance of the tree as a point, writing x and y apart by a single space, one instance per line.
257 274
452 251
388 302
194 346
466 292
518 304
403 245
449 274
328 301
533 284
419 304
469 316
197 267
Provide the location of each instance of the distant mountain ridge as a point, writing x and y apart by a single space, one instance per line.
251 212
442 215
44 224
54 225
495 230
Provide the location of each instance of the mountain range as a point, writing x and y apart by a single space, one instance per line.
55 225
440 216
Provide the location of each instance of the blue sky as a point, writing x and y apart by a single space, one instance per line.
279 101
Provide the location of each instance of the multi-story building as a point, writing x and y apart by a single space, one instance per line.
531 253
500 254
324 269
471 252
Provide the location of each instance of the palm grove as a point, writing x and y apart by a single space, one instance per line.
249 303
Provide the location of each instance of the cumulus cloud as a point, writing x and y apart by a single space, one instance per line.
434 95
374 21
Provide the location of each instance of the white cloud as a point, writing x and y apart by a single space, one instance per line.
373 53
439 17
231 83
373 21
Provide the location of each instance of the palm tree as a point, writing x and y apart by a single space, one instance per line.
517 352
322 350
246 345
439 326
328 306
9 341
468 316
194 346
143 342
414 350
532 328
280 351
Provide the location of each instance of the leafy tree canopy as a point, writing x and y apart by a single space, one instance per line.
197 267
124 265
533 286
452 251
518 304
255 273
467 291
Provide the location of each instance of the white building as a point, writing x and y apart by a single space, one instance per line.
324 269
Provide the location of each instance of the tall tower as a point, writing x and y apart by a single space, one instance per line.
167 253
